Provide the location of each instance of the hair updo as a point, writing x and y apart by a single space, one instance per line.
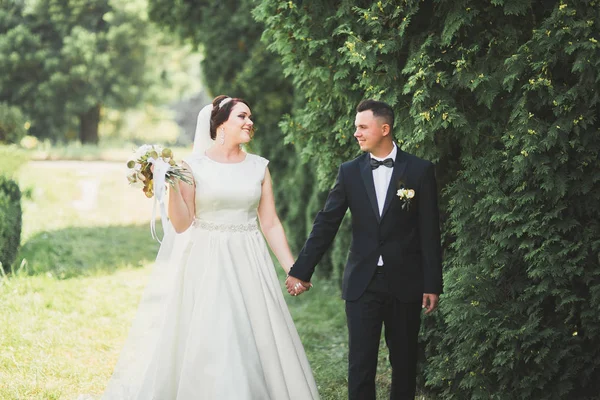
221 114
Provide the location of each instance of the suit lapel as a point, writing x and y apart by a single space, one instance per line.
367 176
399 169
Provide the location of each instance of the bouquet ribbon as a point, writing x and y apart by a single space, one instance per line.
160 190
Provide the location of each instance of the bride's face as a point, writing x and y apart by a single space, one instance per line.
238 128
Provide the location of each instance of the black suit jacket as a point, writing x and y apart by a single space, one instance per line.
408 240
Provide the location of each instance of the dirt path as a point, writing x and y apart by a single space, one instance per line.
95 188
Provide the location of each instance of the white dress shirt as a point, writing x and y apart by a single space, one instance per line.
381 179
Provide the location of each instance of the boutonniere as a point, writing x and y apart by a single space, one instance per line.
405 195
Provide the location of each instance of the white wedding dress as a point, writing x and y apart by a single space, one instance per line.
213 323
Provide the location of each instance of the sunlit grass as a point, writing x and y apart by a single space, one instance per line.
59 338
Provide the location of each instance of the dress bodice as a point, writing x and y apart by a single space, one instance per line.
227 192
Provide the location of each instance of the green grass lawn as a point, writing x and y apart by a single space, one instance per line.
87 249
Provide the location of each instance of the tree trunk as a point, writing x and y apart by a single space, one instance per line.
88 125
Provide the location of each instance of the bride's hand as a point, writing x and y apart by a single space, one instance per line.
295 286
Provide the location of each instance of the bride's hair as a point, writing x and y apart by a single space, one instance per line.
220 112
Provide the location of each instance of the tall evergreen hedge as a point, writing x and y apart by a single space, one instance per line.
524 296
503 96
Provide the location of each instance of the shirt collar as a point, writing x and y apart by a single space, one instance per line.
392 154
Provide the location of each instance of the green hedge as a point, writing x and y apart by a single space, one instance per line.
503 97
10 221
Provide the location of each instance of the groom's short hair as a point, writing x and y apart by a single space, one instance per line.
379 109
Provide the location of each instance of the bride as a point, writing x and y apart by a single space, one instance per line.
212 323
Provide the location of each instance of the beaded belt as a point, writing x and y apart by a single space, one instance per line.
223 227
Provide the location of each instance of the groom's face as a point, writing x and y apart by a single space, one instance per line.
370 132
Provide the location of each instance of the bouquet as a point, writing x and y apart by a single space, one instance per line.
140 168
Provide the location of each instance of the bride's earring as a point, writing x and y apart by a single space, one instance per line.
222 136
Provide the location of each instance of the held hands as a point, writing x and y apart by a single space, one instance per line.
295 286
430 302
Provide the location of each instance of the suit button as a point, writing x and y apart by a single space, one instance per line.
381 243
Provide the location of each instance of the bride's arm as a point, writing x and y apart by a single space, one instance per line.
271 225
182 208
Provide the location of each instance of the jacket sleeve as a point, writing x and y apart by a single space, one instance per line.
429 232
323 232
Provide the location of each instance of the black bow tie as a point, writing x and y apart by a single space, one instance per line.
388 162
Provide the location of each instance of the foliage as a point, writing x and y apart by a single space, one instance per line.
64 59
533 196
10 222
12 124
503 95
12 159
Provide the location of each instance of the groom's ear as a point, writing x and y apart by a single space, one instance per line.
385 129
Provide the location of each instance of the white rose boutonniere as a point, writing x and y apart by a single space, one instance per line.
405 195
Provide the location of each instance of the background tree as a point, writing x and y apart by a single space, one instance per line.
503 95
66 59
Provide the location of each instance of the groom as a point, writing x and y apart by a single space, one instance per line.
394 266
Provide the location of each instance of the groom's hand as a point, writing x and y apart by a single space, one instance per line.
295 286
430 302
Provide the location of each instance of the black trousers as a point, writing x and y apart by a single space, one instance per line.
365 316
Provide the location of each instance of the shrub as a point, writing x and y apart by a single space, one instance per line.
12 124
10 221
